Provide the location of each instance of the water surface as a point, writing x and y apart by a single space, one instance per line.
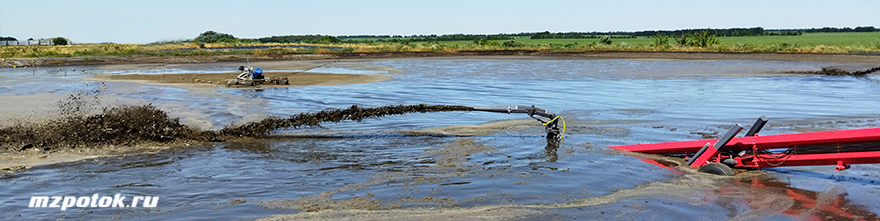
604 103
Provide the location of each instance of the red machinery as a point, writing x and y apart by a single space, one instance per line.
841 148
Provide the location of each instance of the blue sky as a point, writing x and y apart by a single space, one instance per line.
123 21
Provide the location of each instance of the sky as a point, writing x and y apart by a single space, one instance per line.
140 22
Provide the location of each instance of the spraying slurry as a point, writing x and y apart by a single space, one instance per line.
131 125
354 113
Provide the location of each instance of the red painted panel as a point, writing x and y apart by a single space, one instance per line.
871 157
763 142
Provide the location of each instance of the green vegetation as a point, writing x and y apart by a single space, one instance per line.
808 39
548 35
483 42
661 40
415 38
309 39
605 40
852 39
7 39
703 41
215 37
512 44
726 32
59 41
831 30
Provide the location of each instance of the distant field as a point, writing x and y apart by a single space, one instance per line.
852 42
810 39
587 41
863 39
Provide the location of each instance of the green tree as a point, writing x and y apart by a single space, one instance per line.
214 37
605 40
682 40
326 39
661 40
483 41
59 41
699 39
512 44
703 39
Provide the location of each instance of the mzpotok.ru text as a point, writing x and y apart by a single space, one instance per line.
93 201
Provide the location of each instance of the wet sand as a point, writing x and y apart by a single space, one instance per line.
206 80
12 162
219 79
652 193
215 80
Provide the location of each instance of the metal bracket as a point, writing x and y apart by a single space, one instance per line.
702 157
551 128
759 124
841 166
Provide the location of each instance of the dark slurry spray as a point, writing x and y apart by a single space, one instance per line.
837 71
263 127
130 125
127 125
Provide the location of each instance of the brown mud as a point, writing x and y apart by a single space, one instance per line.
127 125
212 80
839 71
764 195
131 125
450 160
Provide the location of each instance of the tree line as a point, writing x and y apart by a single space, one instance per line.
451 37
833 30
428 38
682 34
727 32
722 32
312 39
548 35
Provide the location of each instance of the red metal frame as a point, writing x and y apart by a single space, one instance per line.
765 142
761 159
841 160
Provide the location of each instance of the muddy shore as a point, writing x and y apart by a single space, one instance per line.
211 80
112 60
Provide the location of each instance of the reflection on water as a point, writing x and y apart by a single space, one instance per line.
373 164
801 204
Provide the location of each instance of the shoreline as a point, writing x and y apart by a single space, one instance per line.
123 60
218 80
16 161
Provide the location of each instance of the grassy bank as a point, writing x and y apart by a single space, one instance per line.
852 39
868 42
176 49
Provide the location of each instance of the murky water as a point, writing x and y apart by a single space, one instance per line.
604 102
